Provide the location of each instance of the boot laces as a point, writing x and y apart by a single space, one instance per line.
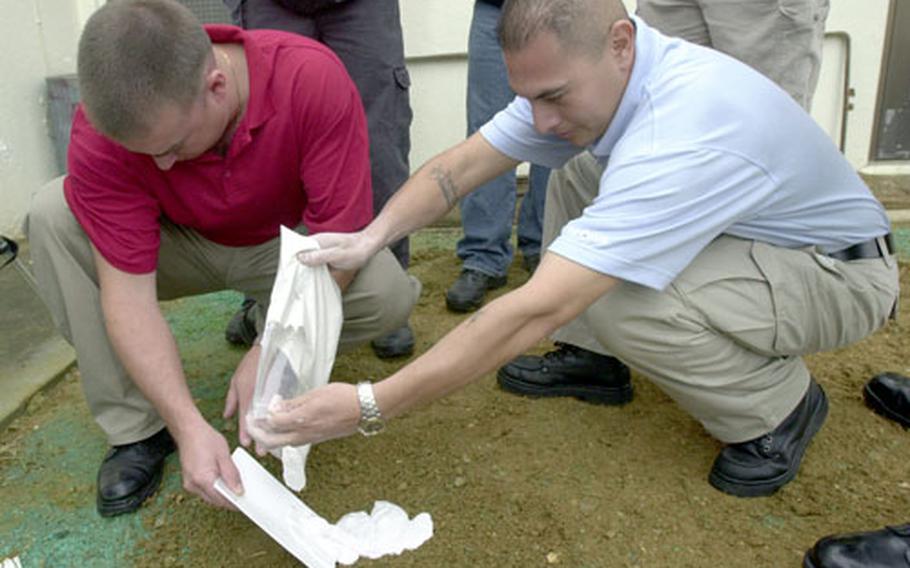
562 350
766 445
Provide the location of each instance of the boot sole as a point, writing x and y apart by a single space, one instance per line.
468 306
463 307
769 487
132 502
879 407
389 353
613 396
808 562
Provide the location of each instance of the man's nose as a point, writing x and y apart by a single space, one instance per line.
165 162
545 118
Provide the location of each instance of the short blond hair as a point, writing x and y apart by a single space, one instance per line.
581 26
136 56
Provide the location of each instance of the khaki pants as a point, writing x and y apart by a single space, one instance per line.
782 39
725 339
378 300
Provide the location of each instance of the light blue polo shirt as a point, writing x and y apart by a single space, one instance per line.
701 145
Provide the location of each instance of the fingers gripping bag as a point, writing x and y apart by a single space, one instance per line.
298 342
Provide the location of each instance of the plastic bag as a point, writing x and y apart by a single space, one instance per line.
298 342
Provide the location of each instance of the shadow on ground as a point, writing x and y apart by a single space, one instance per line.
509 481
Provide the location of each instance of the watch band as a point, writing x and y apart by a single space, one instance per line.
371 422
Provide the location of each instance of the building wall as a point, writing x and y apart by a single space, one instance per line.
40 38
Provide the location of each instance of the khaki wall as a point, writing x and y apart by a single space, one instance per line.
40 39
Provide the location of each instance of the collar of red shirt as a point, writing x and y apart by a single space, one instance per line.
259 107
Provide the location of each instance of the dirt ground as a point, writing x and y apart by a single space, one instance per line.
509 481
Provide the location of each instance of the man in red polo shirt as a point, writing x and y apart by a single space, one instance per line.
191 148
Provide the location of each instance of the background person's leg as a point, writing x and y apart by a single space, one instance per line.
782 40
678 18
487 213
530 217
366 35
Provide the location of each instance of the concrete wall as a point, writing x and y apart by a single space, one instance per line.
40 39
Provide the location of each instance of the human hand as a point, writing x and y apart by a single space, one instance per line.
331 411
204 457
342 251
240 393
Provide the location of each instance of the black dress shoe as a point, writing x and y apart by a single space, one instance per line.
241 330
764 465
568 371
396 343
468 291
530 262
888 394
887 548
131 473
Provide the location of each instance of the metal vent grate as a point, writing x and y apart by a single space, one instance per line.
209 11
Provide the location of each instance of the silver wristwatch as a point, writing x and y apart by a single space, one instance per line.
371 422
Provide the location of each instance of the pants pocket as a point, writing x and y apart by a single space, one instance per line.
804 13
820 303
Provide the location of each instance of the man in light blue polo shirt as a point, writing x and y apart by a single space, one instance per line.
727 238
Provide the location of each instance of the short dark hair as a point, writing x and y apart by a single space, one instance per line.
136 56
580 25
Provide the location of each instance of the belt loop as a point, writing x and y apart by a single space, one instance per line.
883 250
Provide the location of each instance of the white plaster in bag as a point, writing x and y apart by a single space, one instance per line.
299 342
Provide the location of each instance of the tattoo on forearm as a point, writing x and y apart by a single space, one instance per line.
446 185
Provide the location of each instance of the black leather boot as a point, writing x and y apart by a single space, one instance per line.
397 343
468 291
568 371
761 466
131 473
241 330
888 394
887 548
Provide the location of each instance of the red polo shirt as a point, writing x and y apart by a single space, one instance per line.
299 154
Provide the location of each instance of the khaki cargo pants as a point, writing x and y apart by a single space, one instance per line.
782 39
725 339
379 300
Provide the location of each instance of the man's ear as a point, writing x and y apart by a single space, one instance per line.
215 83
622 42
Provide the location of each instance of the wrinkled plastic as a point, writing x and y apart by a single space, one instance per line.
298 342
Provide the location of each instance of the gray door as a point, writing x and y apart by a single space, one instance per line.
892 132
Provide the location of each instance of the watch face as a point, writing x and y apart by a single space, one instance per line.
370 426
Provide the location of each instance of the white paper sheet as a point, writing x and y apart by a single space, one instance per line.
309 537
272 506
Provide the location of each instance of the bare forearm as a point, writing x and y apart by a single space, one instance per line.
557 293
498 332
437 187
145 345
